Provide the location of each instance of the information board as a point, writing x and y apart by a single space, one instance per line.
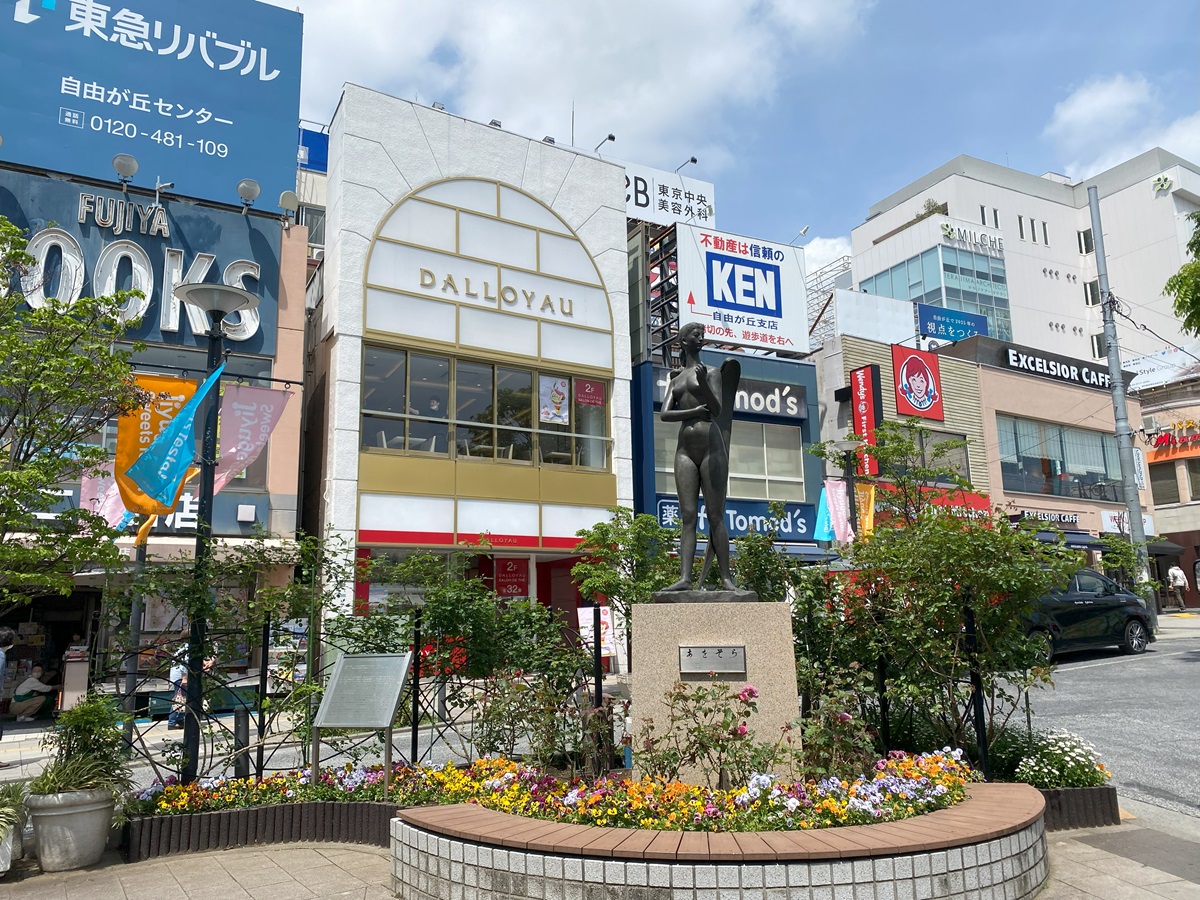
364 691
201 94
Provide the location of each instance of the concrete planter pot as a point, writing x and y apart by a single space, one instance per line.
71 829
6 852
1081 807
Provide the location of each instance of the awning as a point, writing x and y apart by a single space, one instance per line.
1075 540
1164 548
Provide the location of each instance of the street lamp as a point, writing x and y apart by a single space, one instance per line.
847 447
217 301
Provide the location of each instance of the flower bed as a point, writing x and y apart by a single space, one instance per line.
899 787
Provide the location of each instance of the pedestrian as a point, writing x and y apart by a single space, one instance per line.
178 677
33 697
1178 584
7 638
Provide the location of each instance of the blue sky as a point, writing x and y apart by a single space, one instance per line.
802 112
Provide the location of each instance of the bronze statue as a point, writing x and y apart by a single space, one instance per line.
701 400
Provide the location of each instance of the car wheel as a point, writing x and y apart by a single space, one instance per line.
1045 646
1137 637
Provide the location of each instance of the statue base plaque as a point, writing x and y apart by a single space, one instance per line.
755 645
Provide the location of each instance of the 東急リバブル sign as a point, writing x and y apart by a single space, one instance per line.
92 241
743 291
200 94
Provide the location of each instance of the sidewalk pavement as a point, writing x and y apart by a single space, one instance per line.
1142 859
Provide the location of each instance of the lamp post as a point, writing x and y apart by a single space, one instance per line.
847 447
218 301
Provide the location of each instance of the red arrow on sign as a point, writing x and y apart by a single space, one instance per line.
691 301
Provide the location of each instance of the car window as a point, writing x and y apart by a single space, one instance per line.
1090 582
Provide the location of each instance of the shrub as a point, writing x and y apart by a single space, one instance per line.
1061 759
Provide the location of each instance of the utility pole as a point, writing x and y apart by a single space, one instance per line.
1133 504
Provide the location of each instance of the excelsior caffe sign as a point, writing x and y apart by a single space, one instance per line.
1057 368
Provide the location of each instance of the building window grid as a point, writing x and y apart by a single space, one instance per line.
445 431
1046 458
771 474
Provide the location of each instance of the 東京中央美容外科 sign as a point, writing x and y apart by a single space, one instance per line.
200 94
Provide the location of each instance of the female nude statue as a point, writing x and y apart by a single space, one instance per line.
701 400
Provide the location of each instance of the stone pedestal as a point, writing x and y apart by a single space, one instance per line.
764 629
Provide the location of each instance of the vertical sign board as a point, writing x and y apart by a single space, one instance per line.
866 401
667 198
201 94
364 691
742 290
512 577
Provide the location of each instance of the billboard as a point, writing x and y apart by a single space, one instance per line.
918 381
950 324
667 198
742 290
200 94
88 241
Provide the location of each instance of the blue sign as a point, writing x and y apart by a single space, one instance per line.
743 285
200 94
313 152
88 241
950 324
746 516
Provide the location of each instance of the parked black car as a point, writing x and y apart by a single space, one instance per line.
1092 611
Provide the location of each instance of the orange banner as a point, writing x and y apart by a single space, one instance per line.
137 431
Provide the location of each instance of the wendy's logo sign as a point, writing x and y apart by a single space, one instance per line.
918 383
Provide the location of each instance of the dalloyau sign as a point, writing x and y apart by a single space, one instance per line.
1056 367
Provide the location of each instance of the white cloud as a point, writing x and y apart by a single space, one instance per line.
1110 120
820 252
659 75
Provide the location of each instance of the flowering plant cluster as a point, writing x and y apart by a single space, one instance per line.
1062 759
898 787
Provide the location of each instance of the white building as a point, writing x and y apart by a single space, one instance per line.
471 343
980 238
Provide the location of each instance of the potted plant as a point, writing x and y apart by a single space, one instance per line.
73 802
12 817
1074 782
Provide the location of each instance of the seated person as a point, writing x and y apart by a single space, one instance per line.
33 697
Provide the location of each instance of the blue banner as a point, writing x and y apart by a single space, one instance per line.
746 516
161 469
824 527
950 324
200 94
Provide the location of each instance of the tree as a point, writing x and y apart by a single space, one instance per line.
625 560
1184 285
63 377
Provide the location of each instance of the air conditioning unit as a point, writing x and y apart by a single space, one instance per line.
316 253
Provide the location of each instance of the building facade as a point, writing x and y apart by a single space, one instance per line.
471 343
1017 249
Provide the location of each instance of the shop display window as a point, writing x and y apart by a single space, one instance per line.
766 462
1045 458
476 410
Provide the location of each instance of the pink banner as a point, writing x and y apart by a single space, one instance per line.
248 416
99 494
839 508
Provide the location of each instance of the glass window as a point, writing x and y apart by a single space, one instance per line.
982 214
1046 458
1033 230
1091 293
931 270
1090 583
746 456
1045 234
1086 244
1021 226
1193 470
313 217
1099 345
474 406
995 218
591 422
1164 486
428 401
514 413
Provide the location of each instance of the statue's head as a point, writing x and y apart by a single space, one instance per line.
692 332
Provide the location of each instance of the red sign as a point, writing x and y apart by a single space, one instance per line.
512 577
918 383
589 393
866 403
